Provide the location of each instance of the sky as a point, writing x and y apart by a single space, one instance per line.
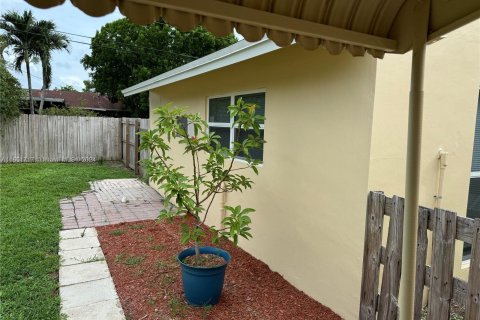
66 67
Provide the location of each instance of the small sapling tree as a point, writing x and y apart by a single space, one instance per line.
212 171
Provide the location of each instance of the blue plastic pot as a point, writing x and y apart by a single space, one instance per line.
203 286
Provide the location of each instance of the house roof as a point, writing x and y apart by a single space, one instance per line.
235 53
86 100
359 26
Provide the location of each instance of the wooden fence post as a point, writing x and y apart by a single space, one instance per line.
371 256
127 143
422 245
136 140
441 280
120 137
472 309
388 299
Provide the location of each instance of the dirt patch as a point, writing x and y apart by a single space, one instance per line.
150 286
204 260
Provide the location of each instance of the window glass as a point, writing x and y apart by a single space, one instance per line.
220 122
473 209
256 98
256 154
473 204
476 142
224 134
218 111
184 123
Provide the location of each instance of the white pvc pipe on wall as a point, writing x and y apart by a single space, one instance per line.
442 165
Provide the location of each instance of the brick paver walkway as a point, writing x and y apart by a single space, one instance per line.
111 201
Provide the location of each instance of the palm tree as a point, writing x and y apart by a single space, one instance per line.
20 34
3 46
50 40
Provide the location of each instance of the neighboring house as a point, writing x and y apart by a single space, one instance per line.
86 100
336 127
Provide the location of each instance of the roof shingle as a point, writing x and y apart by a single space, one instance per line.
85 100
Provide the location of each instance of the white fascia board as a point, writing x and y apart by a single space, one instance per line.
235 53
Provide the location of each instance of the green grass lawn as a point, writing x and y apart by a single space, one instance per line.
29 225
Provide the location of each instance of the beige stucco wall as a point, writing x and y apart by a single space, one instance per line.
311 192
452 80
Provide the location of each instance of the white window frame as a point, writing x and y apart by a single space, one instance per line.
229 124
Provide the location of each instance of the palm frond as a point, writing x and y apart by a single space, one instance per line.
30 39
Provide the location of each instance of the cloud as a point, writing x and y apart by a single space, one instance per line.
72 80
9 4
81 54
63 65
67 68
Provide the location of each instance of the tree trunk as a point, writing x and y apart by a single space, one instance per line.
27 63
197 251
42 99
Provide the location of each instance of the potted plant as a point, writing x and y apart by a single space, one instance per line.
212 173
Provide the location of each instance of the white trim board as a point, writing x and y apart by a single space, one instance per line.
235 53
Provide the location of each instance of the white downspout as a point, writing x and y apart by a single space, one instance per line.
420 16
442 166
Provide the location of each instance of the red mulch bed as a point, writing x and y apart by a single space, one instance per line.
142 261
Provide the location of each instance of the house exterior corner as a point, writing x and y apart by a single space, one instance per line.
451 103
310 194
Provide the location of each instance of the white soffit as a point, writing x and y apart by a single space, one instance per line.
235 53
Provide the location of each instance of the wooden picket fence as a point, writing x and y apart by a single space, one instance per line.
131 141
446 228
37 138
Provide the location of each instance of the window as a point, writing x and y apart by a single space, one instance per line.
184 123
219 120
473 205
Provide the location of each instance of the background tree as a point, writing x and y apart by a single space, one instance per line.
3 45
67 87
49 40
124 54
21 35
70 111
88 86
11 95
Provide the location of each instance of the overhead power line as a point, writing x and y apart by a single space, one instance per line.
31 74
106 45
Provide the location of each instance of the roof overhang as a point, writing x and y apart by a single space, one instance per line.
359 26
235 53
59 100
